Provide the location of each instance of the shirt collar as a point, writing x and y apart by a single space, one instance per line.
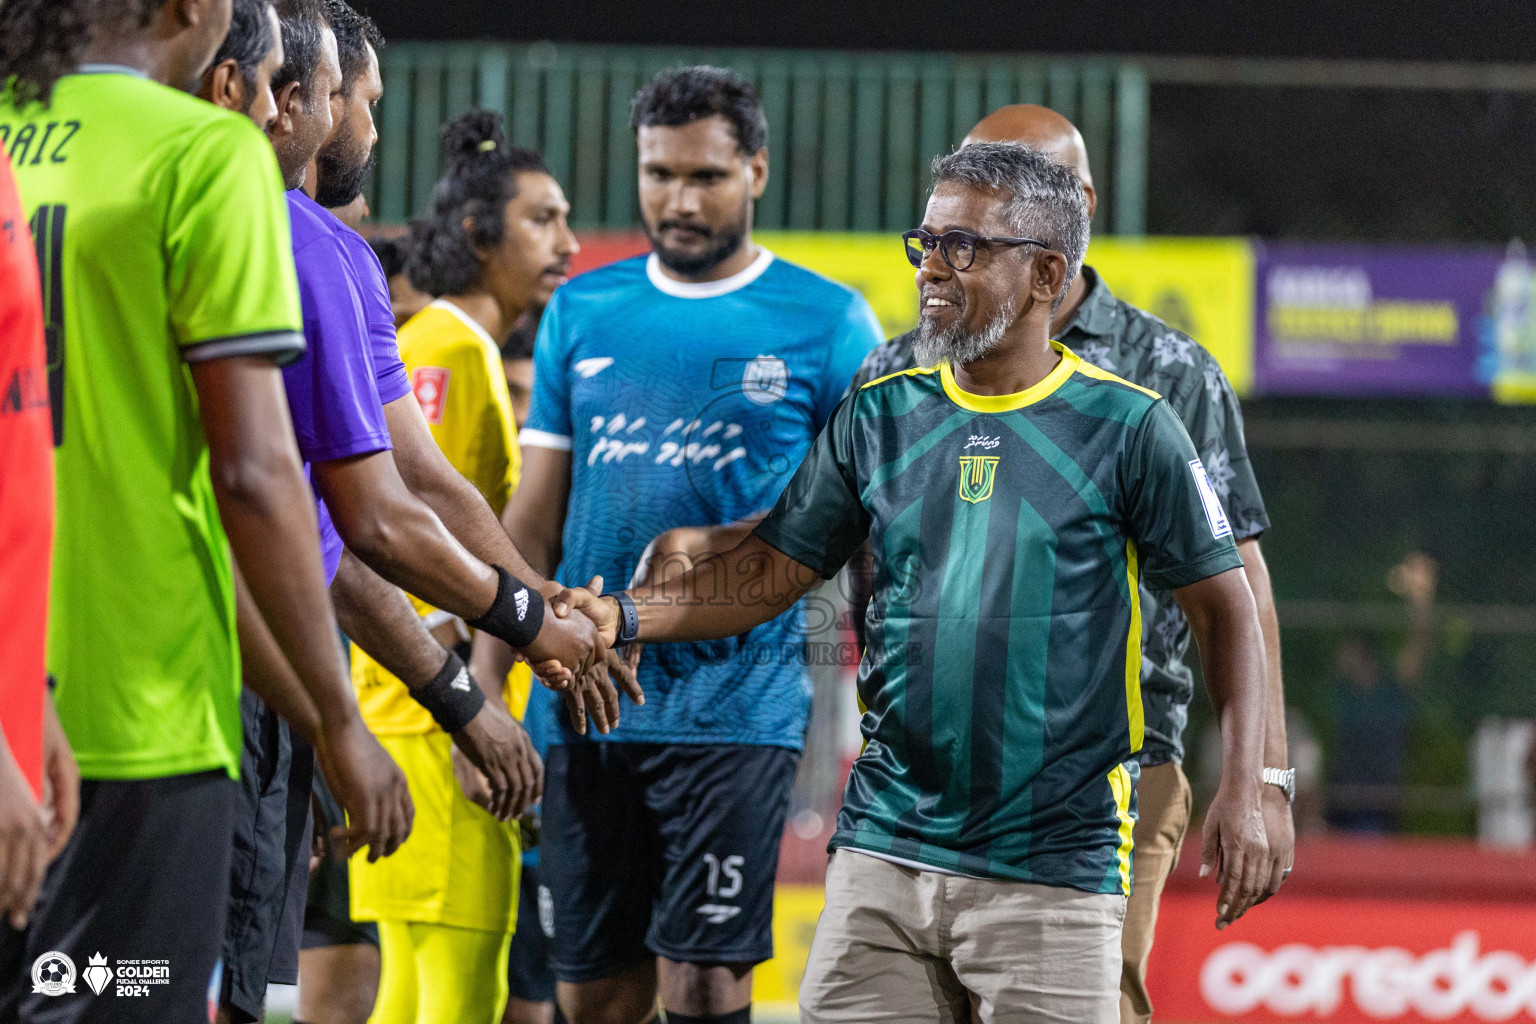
1096 317
465 319
706 289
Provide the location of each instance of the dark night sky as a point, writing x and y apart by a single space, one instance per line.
1275 162
1500 30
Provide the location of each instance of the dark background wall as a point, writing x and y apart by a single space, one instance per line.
1310 163
1487 30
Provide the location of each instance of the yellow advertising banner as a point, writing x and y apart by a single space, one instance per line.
1202 286
776 984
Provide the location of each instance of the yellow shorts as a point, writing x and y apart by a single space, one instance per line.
460 866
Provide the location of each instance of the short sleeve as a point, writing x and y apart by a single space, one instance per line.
819 520
549 412
857 336
388 369
1210 412
229 255
1171 511
332 393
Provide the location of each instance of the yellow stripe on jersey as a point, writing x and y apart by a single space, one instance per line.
1135 714
456 375
914 371
1087 369
1120 786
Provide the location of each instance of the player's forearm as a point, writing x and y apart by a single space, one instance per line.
403 541
460 507
723 596
1226 627
1257 573
378 617
267 672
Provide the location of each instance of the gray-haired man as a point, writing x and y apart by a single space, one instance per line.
1136 345
1014 497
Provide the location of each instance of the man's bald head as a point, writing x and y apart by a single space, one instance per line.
1039 128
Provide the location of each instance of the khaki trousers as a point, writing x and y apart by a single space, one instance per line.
897 945
1163 804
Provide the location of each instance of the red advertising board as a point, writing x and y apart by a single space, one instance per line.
1342 959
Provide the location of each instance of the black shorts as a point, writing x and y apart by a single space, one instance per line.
269 874
662 850
530 975
144 883
327 907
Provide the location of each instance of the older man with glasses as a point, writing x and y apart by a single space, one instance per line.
1130 342
1014 496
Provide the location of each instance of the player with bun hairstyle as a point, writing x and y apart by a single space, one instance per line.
494 243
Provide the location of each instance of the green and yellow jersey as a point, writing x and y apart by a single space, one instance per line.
1002 677
456 375
163 238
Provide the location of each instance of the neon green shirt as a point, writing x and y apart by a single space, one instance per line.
163 240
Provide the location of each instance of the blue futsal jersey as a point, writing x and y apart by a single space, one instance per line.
692 405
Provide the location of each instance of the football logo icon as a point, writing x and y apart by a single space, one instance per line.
53 974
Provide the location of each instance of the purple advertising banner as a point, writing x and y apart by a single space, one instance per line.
1378 320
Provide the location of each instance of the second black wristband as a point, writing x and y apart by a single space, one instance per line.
452 697
517 614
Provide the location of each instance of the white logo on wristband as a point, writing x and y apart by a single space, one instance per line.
461 681
521 597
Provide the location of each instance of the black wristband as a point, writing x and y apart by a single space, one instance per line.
452 697
629 620
516 615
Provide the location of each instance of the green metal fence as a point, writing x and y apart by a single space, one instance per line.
850 135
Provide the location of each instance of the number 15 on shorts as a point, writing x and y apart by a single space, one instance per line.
724 882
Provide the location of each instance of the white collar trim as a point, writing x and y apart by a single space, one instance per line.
706 289
466 319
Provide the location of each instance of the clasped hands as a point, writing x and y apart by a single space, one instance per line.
573 655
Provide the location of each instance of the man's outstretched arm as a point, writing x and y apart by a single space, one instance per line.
724 595
463 510
1221 614
404 541
269 516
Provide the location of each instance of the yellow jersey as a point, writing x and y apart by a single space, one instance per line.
456 375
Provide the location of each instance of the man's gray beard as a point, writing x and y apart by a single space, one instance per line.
957 346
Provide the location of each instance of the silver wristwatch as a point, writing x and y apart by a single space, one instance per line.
1285 778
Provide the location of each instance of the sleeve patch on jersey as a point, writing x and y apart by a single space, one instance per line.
1214 513
430 386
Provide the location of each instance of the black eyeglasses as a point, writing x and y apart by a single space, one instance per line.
957 247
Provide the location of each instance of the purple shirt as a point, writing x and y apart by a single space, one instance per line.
388 371
332 392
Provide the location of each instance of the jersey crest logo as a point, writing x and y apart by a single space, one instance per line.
765 380
430 385
976 475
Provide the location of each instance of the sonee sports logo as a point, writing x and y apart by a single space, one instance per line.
53 974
